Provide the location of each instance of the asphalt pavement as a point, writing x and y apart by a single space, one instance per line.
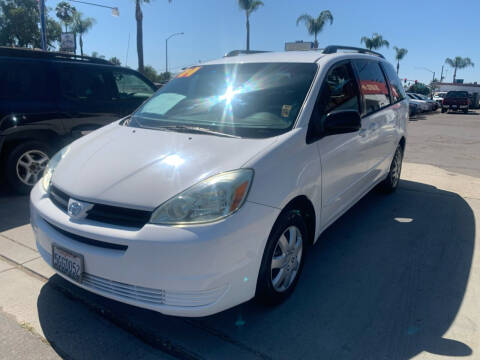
395 278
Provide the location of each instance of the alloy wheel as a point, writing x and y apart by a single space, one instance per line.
30 166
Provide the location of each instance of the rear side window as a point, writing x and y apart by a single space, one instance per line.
395 83
455 94
86 83
373 86
130 85
25 81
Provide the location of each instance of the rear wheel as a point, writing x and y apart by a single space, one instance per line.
283 258
465 111
444 110
390 184
25 164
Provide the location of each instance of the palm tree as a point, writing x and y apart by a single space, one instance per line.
374 42
399 55
139 18
458 63
65 12
249 6
81 26
315 25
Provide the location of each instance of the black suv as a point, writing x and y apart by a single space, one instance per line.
49 99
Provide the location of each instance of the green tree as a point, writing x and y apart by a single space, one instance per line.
419 88
315 25
95 54
65 12
150 73
19 25
115 61
458 63
399 55
164 77
374 42
81 26
249 6
139 19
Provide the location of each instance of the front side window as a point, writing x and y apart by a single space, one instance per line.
246 100
130 85
373 86
339 92
396 84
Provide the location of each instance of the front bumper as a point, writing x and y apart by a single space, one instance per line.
184 271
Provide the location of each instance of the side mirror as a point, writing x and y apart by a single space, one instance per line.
342 122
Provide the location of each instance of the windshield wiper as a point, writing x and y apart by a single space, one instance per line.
196 129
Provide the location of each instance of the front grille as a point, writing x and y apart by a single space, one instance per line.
108 214
153 296
88 241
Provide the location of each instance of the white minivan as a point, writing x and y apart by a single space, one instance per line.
214 190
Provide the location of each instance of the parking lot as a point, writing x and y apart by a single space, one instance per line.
395 278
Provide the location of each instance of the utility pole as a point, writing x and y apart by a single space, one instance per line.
166 49
441 75
43 30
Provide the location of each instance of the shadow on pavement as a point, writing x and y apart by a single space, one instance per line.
384 282
14 210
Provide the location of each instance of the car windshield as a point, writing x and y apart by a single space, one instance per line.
248 100
457 94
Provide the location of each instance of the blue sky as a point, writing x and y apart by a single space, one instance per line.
430 30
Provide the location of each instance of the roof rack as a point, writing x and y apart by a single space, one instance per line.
331 49
243 52
36 53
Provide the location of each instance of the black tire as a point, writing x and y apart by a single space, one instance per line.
444 110
465 111
266 292
390 184
14 156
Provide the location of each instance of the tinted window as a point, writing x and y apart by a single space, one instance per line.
248 100
397 89
455 94
339 91
86 83
373 86
25 81
130 85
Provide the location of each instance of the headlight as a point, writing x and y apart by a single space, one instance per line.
50 168
210 200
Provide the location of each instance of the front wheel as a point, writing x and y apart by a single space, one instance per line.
283 258
25 164
390 184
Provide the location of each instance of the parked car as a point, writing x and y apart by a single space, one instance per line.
48 99
214 190
412 108
439 96
433 103
456 100
422 105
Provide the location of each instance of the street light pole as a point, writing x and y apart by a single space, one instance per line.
433 78
43 30
166 49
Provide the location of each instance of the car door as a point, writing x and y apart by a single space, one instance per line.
343 157
87 97
378 116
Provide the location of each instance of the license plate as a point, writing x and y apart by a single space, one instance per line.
454 106
67 262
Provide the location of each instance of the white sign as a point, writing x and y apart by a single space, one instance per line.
68 42
298 46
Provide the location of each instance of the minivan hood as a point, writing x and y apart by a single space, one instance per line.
142 168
